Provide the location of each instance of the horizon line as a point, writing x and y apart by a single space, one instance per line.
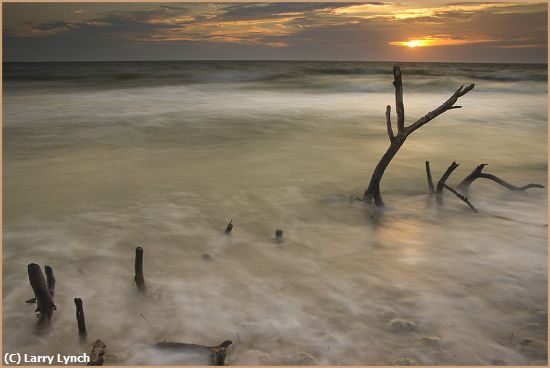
276 60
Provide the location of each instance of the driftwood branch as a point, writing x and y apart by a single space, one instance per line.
478 173
443 180
372 193
139 279
445 176
98 351
216 353
45 305
461 197
431 187
81 321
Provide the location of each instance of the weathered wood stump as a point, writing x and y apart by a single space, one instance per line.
98 351
139 279
229 227
50 280
43 296
80 319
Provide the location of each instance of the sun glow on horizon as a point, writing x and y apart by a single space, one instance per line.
414 43
438 41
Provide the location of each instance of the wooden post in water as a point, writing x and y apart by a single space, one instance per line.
81 321
45 305
139 279
279 234
229 227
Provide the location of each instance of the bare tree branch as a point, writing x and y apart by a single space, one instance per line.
441 182
399 107
478 173
447 105
508 185
445 176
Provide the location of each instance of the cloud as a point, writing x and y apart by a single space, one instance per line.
296 27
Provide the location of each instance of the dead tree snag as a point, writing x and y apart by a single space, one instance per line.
372 195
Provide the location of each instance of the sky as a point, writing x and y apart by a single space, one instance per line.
394 31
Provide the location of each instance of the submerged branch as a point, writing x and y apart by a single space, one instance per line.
429 176
478 173
461 197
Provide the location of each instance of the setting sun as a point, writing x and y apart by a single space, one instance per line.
414 43
439 41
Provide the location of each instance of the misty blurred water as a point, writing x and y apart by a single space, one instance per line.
102 157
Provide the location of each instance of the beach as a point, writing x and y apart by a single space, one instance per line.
102 157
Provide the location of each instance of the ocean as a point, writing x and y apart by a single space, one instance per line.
101 157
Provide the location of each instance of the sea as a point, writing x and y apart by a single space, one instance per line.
102 157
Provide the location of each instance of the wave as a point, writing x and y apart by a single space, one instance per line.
305 75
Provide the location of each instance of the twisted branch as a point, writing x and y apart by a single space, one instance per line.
478 173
